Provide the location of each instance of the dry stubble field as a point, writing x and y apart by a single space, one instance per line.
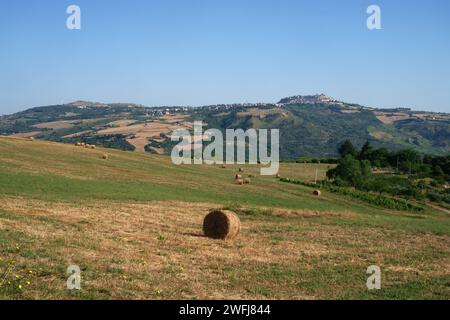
133 225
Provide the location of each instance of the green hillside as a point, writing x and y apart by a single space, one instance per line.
318 130
314 129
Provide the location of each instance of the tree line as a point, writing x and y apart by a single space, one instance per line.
402 172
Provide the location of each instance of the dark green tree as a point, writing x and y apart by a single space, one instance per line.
351 172
347 148
366 152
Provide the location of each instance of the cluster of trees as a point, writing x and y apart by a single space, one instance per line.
405 161
350 172
115 141
407 172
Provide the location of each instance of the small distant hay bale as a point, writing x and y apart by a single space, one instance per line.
238 176
317 193
224 166
104 156
87 146
221 224
31 138
241 169
247 181
92 146
278 176
77 144
83 144
240 181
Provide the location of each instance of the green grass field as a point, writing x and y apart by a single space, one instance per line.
133 223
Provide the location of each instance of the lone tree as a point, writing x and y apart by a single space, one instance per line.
347 148
352 172
366 151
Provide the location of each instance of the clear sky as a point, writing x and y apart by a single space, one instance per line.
195 52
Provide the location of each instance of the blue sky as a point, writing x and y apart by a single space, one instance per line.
195 52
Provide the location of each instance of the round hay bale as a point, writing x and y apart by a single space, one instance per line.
241 169
240 181
83 144
104 156
221 224
77 144
247 181
87 146
278 176
317 193
224 166
238 176
31 138
92 146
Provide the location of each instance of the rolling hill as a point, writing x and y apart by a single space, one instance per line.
133 224
312 126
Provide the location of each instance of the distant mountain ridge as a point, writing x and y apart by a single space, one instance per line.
310 125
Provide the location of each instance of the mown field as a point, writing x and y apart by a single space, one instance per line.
133 223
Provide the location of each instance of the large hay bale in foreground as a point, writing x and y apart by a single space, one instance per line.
317 193
221 224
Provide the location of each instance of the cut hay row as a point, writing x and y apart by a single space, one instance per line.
85 145
90 146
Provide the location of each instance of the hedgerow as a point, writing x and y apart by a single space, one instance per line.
374 199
